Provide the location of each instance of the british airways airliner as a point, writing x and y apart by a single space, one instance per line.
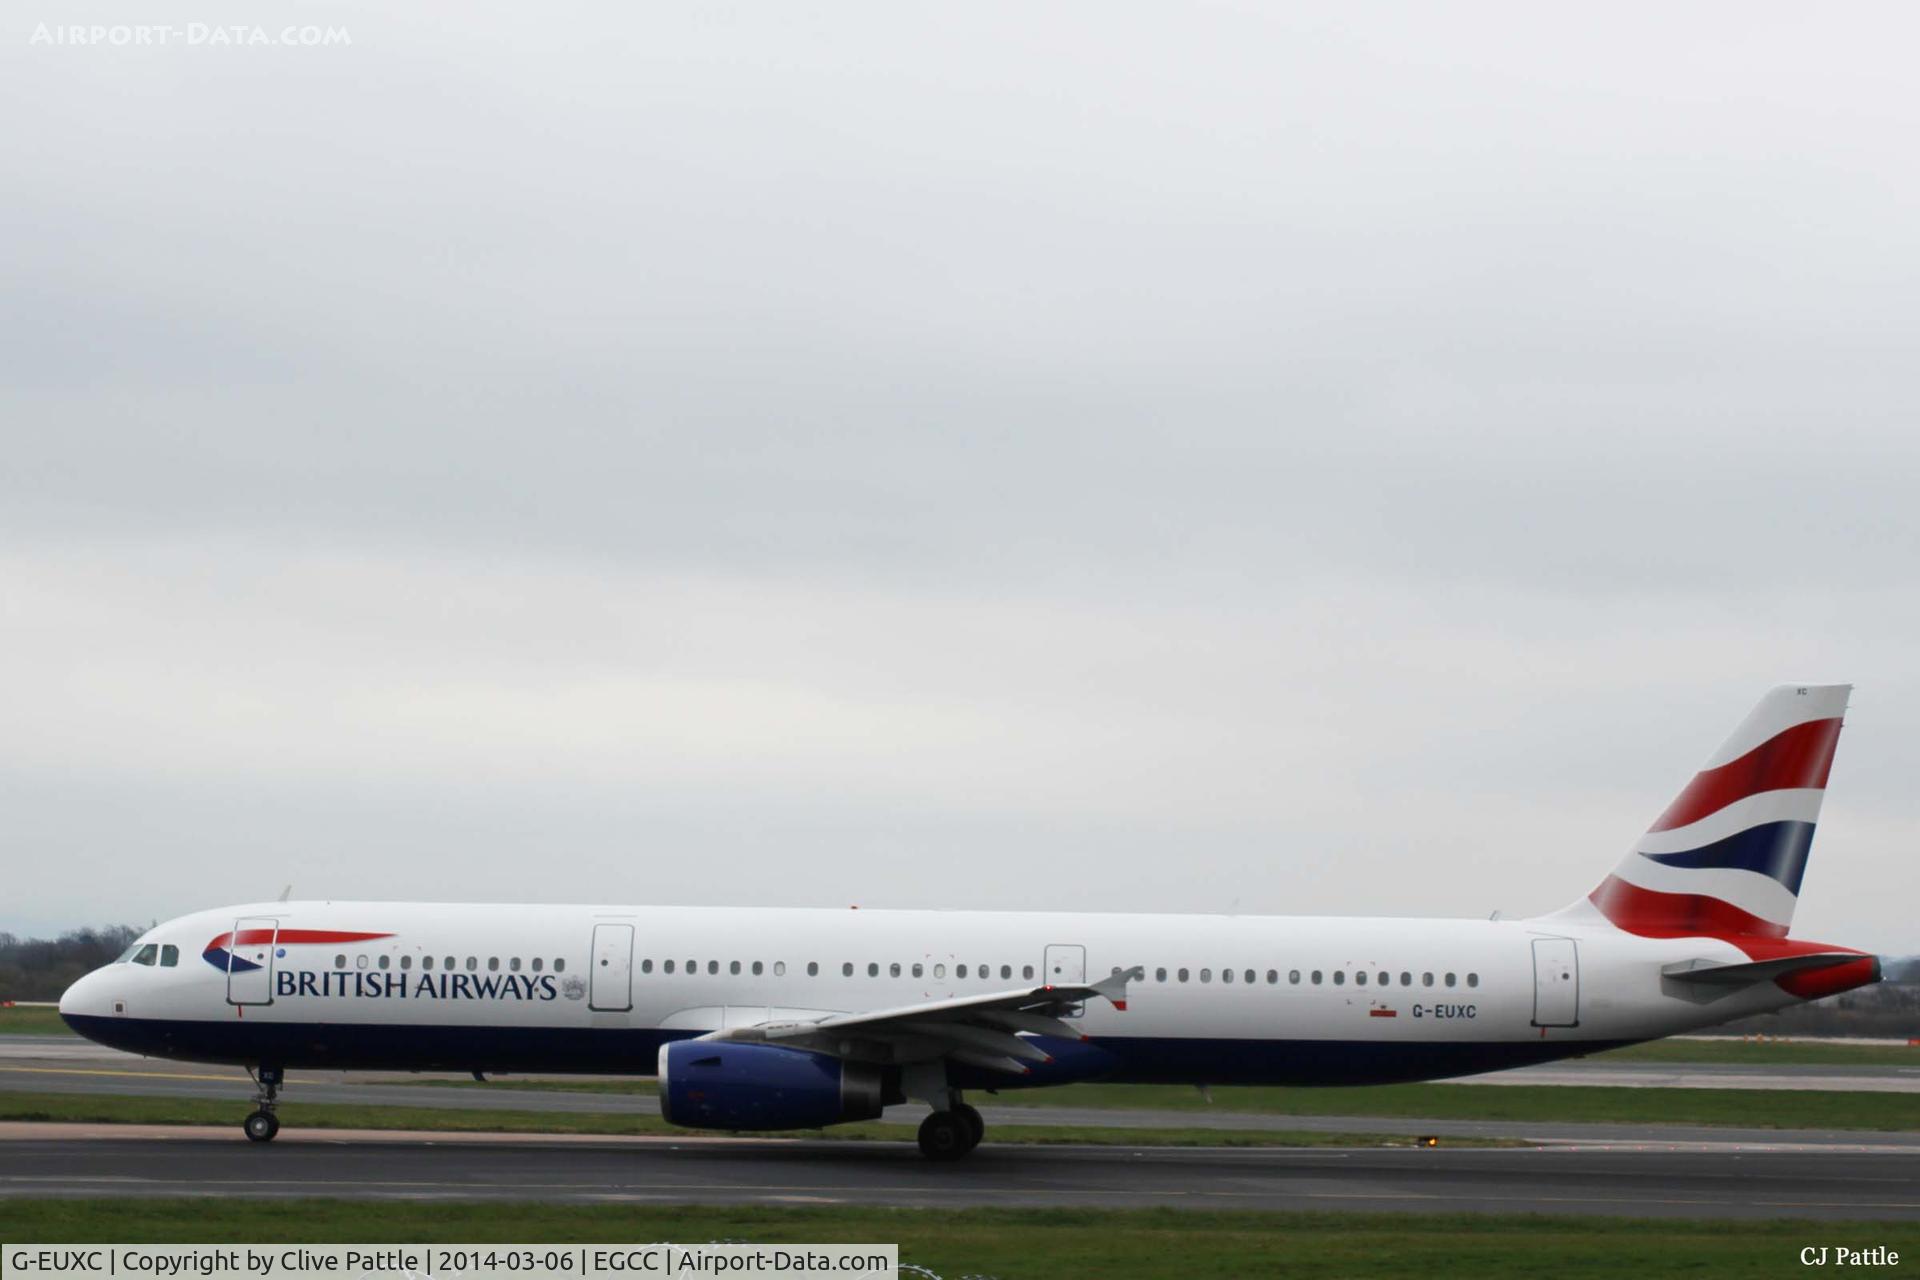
768 1019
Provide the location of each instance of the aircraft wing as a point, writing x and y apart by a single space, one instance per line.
983 1030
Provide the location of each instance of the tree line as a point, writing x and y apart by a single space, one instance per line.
41 968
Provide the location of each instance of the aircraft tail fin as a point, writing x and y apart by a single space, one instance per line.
1727 856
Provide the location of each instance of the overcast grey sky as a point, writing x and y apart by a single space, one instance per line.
1201 457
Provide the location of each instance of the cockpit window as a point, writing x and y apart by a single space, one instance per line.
127 955
169 956
146 954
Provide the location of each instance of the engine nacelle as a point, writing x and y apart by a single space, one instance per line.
714 1084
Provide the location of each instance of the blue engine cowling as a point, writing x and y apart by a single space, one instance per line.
707 1084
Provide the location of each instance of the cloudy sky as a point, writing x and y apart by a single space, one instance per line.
1187 457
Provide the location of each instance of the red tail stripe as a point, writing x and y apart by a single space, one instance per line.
1793 758
1651 914
249 937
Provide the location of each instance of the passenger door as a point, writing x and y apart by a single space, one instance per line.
1556 982
250 960
610 989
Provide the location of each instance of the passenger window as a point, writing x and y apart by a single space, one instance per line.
473 963
734 967
145 955
493 964
1026 971
873 969
1226 975
1316 977
385 962
169 956
846 970
513 965
779 968
813 968
646 966
693 966
1339 977
1006 971
713 967
919 971
939 971
1159 975
893 970
426 962
1406 979
1359 978
666 966
1249 975
1182 975
360 961
960 971
1293 977
1473 979
756 968
406 962
1449 979
538 963
559 965
983 971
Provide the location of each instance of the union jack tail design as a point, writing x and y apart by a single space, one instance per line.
1726 857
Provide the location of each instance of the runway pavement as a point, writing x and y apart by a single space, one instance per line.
62 1065
1715 1184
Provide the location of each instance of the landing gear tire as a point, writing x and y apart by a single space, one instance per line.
261 1126
976 1127
945 1136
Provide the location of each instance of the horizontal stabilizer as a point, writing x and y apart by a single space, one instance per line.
1715 973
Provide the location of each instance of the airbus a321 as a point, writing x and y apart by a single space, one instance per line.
770 1019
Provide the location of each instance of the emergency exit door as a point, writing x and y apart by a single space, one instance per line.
610 990
1556 982
250 960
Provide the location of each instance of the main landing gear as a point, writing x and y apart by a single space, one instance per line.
262 1124
950 1134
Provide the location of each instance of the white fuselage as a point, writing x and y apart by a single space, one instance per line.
1223 999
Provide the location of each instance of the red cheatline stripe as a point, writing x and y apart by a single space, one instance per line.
1383 1013
248 937
1652 914
1793 758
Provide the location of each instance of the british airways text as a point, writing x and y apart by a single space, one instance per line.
425 986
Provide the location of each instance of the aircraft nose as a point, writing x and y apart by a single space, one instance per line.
86 998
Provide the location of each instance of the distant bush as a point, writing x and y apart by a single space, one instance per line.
42 968
1889 1010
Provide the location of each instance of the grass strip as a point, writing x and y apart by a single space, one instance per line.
1540 1104
1013 1244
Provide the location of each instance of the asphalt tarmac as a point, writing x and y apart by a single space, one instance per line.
40 1160
62 1064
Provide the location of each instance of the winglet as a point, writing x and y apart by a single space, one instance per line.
1114 988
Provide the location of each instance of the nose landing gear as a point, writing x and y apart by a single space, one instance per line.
262 1124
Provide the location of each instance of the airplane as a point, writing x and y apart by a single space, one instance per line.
780 1019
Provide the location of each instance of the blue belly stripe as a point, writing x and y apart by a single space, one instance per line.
632 1051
